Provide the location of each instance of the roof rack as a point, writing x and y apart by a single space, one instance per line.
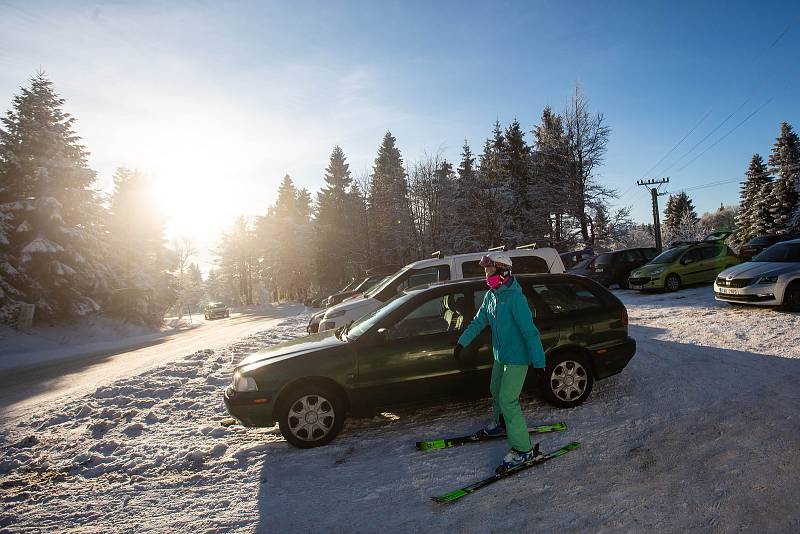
504 248
438 255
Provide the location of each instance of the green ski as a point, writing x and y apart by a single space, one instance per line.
472 488
462 440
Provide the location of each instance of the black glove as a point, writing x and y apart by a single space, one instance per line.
457 351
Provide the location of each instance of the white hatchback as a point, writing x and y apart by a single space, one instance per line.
436 269
772 278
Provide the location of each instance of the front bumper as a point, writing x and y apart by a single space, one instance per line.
217 314
760 294
251 408
646 282
612 360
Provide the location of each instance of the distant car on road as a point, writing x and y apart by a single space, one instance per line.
216 310
402 353
683 265
772 278
762 242
615 267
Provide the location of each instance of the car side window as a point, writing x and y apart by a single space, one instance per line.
528 265
693 255
435 316
472 269
711 252
565 297
428 275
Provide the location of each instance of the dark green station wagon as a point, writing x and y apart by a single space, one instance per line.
402 353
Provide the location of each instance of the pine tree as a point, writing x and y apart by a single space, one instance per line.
755 178
679 212
144 288
549 187
388 210
462 226
57 227
334 223
784 163
516 163
493 205
761 218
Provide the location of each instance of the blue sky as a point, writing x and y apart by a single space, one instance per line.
218 100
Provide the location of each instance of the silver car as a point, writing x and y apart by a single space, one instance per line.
772 278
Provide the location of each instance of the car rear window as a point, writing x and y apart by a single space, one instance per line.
603 259
566 297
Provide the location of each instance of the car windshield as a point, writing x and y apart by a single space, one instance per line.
782 252
377 289
603 259
669 256
359 326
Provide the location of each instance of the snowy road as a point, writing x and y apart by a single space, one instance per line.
699 433
30 390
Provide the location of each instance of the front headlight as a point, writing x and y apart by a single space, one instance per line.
242 383
337 313
768 279
657 270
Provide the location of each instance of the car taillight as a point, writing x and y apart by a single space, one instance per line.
624 316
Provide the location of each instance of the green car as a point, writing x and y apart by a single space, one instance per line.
402 353
684 265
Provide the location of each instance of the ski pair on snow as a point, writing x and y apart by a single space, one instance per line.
500 473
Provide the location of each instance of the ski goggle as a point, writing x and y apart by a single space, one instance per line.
486 261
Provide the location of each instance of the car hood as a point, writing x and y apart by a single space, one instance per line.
751 269
289 349
649 268
351 304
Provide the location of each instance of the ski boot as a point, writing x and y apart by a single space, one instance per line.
515 458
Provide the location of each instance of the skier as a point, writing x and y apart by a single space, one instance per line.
516 344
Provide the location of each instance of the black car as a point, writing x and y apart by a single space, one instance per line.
762 242
215 310
615 267
402 353
572 259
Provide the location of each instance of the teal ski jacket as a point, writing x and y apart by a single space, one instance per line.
515 339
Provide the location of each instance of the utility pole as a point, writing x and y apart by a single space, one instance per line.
655 194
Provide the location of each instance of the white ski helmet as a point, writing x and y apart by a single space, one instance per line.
497 258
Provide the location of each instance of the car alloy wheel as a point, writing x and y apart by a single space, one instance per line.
672 282
567 381
311 415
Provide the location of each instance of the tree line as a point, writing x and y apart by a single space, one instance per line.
69 249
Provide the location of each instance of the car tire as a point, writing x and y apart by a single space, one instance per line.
567 381
311 414
206 317
672 282
791 297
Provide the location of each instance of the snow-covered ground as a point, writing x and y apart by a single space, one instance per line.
700 432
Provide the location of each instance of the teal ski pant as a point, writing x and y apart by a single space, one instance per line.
506 385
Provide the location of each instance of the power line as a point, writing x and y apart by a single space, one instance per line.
671 150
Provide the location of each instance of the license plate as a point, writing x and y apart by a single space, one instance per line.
634 286
598 270
728 291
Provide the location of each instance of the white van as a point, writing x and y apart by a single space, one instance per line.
436 269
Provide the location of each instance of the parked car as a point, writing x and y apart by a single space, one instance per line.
762 242
571 259
615 267
436 269
684 265
582 267
714 237
313 323
365 285
215 310
402 353
772 278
